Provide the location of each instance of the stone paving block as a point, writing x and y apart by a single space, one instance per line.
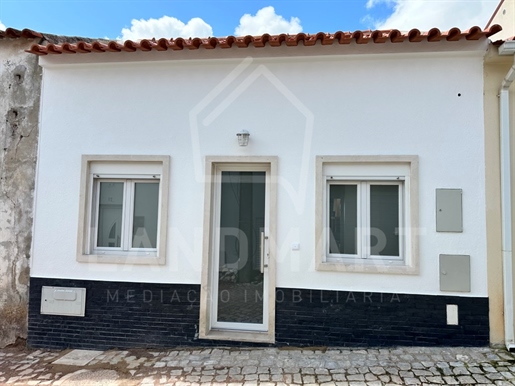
406 374
481 379
460 371
494 376
324 378
340 377
308 379
451 380
435 380
488 368
377 370
331 365
384 378
466 380
507 375
369 377
447 371
249 370
356 377
412 381
422 373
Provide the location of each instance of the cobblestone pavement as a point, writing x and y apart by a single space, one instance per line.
263 366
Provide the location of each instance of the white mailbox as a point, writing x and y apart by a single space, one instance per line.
63 301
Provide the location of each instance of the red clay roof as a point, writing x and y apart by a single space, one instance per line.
359 37
16 33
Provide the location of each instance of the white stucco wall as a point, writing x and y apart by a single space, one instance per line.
427 104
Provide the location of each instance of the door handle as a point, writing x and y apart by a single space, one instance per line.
263 265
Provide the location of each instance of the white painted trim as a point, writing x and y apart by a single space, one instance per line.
410 265
86 182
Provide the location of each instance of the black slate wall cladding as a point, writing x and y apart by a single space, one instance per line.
125 315
338 318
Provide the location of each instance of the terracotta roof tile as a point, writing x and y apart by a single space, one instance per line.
12 33
178 44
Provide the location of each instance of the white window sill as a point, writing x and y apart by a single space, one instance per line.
122 259
369 266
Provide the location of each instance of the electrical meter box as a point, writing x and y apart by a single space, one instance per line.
455 273
63 301
449 211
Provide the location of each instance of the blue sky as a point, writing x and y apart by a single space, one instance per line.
136 19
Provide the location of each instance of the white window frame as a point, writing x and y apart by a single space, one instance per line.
364 171
363 218
129 170
129 185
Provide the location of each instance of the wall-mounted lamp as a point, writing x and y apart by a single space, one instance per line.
243 138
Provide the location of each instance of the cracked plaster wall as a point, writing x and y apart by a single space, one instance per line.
20 88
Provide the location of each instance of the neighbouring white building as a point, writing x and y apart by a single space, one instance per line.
354 215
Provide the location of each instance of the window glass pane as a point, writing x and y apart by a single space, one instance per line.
110 211
343 219
146 201
384 220
242 219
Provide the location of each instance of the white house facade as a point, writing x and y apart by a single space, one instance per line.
354 215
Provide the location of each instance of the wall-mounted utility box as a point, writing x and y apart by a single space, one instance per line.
63 301
455 273
449 210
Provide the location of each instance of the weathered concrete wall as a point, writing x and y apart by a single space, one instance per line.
20 88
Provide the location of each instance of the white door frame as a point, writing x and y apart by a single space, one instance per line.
209 328
217 201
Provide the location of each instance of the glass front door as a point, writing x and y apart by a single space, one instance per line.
241 243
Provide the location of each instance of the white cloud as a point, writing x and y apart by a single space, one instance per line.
2 27
166 27
373 3
424 14
267 21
